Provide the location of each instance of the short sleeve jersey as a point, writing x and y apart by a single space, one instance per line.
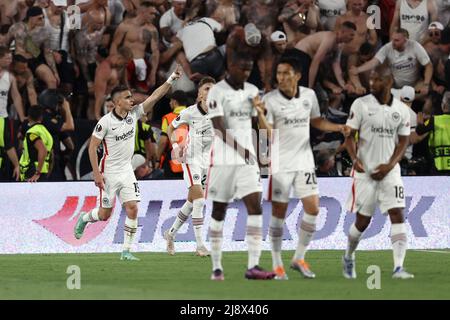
405 64
379 126
200 137
290 118
237 110
117 135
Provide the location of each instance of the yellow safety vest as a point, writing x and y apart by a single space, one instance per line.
28 161
439 142
139 144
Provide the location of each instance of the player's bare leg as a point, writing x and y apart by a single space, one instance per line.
181 218
130 229
354 236
399 243
276 238
216 238
254 238
96 214
305 234
198 201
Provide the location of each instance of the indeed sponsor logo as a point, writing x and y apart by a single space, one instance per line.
125 136
202 132
240 114
382 130
295 121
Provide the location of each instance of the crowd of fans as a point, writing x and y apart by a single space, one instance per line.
66 60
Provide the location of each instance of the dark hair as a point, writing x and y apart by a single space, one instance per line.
103 51
34 12
146 4
180 96
240 56
3 50
19 58
118 89
35 112
402 31
366 48
384 71
206 80
349 25
4 29
294 63
323 156
50 99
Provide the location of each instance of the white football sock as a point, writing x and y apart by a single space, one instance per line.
129 233
215 238
305 233
197 219
181 218
254 239
276 239
91 216
354 235
399 243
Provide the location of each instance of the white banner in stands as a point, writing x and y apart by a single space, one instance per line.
39 218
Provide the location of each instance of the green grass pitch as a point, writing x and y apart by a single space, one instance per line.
185 276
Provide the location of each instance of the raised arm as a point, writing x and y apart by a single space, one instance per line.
150 102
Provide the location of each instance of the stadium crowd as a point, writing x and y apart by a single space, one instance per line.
59 63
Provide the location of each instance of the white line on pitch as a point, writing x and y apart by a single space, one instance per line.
434 251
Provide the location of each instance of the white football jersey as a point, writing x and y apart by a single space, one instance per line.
201 133
404 65
117 135
237 110
379 127
291 120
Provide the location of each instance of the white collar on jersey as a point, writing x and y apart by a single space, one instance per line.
118 116
390 102
297 95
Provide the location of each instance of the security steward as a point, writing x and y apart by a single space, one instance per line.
439 138
172 169
37 156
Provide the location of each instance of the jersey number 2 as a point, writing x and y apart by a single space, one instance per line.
310 176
